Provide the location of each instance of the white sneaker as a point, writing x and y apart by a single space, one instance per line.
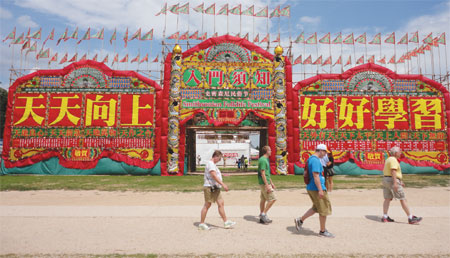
229 224
203 226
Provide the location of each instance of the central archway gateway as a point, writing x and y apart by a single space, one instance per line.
225 81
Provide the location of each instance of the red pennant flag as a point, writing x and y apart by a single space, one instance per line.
203 37
435 42
105 60
277 39
298 60
420 50
382 60
144 59
318 61
427 48
371 59
194 36
246 36
136 59
136 35
339 61
174 36
392 60
308 60
256 39
327 61
156 59
87 36
64 59
390 39
26 45
125 38
95 57
51 36
184 36
428 39
74 58
124 59
441 39
54 58
265 39
84 57
349 61
360 60
11 35
116 59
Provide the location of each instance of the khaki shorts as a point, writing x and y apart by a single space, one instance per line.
265 195
321 206
388 189
211 196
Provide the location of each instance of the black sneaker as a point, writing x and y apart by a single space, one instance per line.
388 219
414 220
298 223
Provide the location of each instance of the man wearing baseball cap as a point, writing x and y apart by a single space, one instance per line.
317 192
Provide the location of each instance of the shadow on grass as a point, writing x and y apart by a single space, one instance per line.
303 231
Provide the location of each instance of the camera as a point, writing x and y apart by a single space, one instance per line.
214 188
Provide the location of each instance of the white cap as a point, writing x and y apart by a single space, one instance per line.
321 147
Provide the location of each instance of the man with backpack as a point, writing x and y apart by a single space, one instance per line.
315 186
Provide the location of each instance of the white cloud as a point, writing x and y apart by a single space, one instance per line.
26 21
5 14
311 20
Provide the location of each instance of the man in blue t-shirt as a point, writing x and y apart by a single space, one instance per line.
317 192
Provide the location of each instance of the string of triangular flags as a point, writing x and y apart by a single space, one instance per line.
350 39
225 9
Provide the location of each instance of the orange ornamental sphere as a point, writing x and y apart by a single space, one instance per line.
177 49
278 50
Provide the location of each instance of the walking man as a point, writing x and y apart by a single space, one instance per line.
393 186
317 192
211 190
267 187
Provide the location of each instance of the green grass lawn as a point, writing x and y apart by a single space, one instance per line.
193 182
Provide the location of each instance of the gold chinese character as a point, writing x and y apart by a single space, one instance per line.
64 110
427 111
346 111
98 109
392 109
310 111
135 112
29 110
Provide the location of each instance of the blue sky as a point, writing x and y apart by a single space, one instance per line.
346 16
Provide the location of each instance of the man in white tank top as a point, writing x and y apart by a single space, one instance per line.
211 190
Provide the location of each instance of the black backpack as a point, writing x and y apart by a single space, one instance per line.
306 178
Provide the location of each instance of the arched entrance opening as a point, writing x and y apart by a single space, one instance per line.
228 87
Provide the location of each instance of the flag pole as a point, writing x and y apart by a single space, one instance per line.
317 52
342 63
203 11
419 68
253 33
439 58
240 22
329 48
445 48
304 53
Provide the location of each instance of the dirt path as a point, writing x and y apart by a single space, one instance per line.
93 222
